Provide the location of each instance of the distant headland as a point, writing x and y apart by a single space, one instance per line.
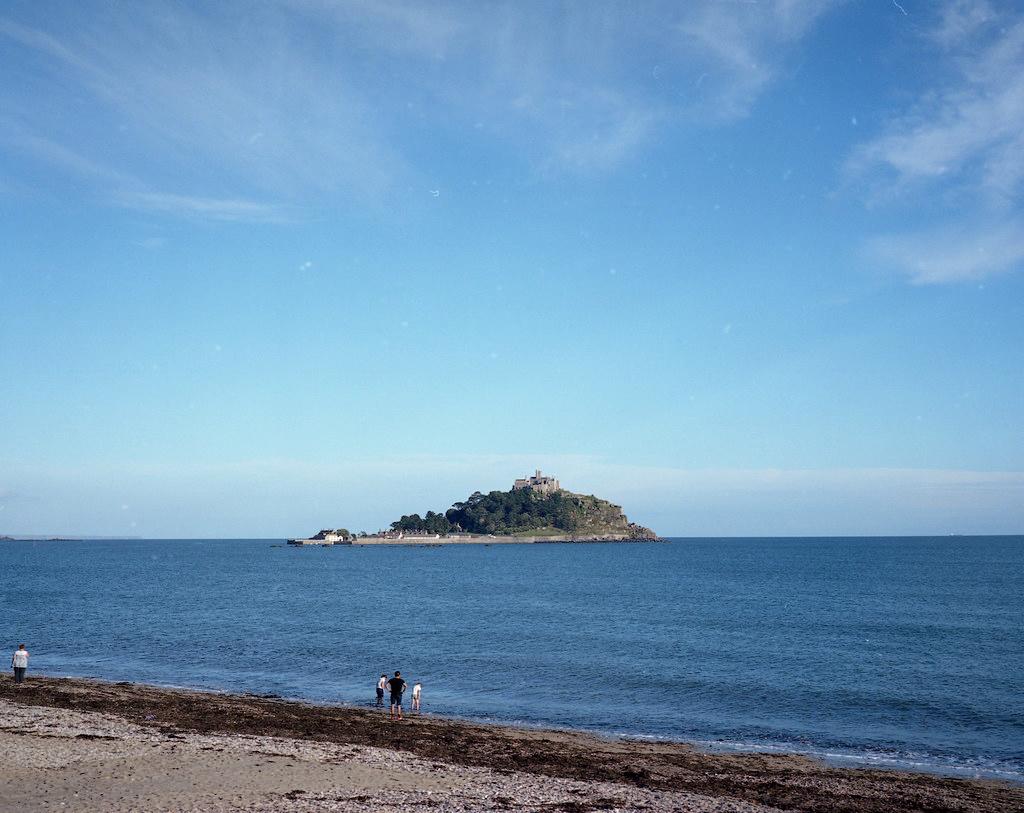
536 509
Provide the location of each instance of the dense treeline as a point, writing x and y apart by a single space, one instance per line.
500 512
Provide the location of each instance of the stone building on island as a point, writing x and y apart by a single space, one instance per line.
539 483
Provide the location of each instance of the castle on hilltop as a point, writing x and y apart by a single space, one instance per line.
538 483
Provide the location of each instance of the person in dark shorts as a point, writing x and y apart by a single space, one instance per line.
380 689
397 686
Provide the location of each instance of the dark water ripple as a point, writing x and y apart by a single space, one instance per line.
904 652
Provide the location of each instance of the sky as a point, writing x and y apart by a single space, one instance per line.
744 267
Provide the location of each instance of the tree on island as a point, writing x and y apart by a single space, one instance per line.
432 523
502 512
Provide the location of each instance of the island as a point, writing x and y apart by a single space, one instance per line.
536 509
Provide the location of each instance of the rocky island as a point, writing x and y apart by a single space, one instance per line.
536 509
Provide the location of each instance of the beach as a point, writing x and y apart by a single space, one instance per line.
75 744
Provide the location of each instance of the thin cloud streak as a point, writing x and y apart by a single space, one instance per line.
129 192
39 147
234 210
427 29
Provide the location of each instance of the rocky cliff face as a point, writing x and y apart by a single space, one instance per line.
599 517
640 532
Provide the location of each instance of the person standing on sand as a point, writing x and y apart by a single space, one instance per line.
380 689
19 660
416 689
397 686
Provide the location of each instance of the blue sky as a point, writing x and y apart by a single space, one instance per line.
744 267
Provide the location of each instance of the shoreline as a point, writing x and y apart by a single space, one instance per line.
834 757
715 779
472 539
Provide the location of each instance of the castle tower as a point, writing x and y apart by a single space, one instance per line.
539 483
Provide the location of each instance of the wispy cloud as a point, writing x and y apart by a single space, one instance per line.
971 132
44 43
953 253
427 29
740 48
129 191
577 90
623 132
208 208
961 19
173 94
17 135
966 139
231 112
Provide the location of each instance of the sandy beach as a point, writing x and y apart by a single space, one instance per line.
72 744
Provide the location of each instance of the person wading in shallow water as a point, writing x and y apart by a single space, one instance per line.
381 684
397 686
417 688
19 660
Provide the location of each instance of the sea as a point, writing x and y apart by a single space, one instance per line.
890 652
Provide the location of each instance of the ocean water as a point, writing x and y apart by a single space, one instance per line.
902 652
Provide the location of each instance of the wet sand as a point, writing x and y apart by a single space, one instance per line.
73 744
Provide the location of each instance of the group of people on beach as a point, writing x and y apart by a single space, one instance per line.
396 686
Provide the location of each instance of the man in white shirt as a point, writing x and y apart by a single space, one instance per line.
381 685
19 660
416 689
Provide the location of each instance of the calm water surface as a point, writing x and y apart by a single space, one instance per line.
903 652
